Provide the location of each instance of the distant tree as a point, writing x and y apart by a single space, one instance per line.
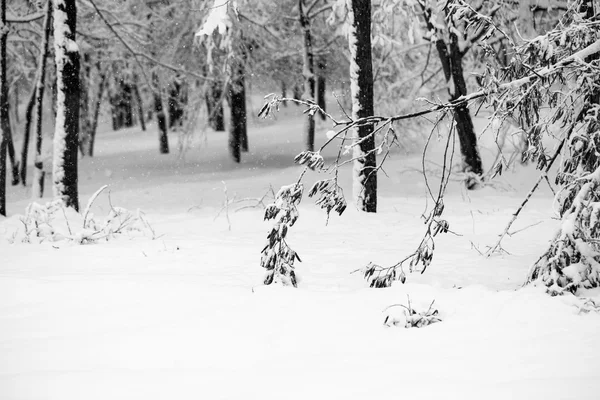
66 134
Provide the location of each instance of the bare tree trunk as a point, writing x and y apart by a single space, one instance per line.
321 87
237 105
4 125
309 76
96 113
284 92
84 104
26 131
66 133
361 76
464 123
161 119
38 163
214 106
140 104
451 60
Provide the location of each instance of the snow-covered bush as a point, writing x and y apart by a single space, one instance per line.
407 317
54 222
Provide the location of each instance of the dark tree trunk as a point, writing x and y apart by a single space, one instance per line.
96 112
464 123
176 103
38 163
122 108
361 75
321 88
237 104
84 101
4 123
451 60
161 119
66 133
297 92
27 131
214 106
284 93
139 103
309 75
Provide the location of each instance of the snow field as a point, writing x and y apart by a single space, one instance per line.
185 316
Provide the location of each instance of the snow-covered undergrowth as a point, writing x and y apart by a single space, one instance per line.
54 222
186 316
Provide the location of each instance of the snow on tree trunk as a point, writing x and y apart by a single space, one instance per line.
361 87
309 76
38 162
161 119
237 105
66 132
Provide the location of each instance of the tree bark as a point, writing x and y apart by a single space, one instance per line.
309 76
237 105
161 119
38 162
321 87
361 76
214 106
66 133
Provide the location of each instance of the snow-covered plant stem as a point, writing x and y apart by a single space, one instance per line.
277 256
66 133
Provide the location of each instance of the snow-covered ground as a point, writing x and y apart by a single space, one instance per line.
184 315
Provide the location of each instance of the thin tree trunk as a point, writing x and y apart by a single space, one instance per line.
16 112
66 133
237 105
27 131
96 113
361 76
38 163
321 87
309 76
214 106
140 104
284 92
84 104
161 119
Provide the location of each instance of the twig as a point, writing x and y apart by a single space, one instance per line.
544 174
90 203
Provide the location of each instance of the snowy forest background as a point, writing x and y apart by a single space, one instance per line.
207 192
